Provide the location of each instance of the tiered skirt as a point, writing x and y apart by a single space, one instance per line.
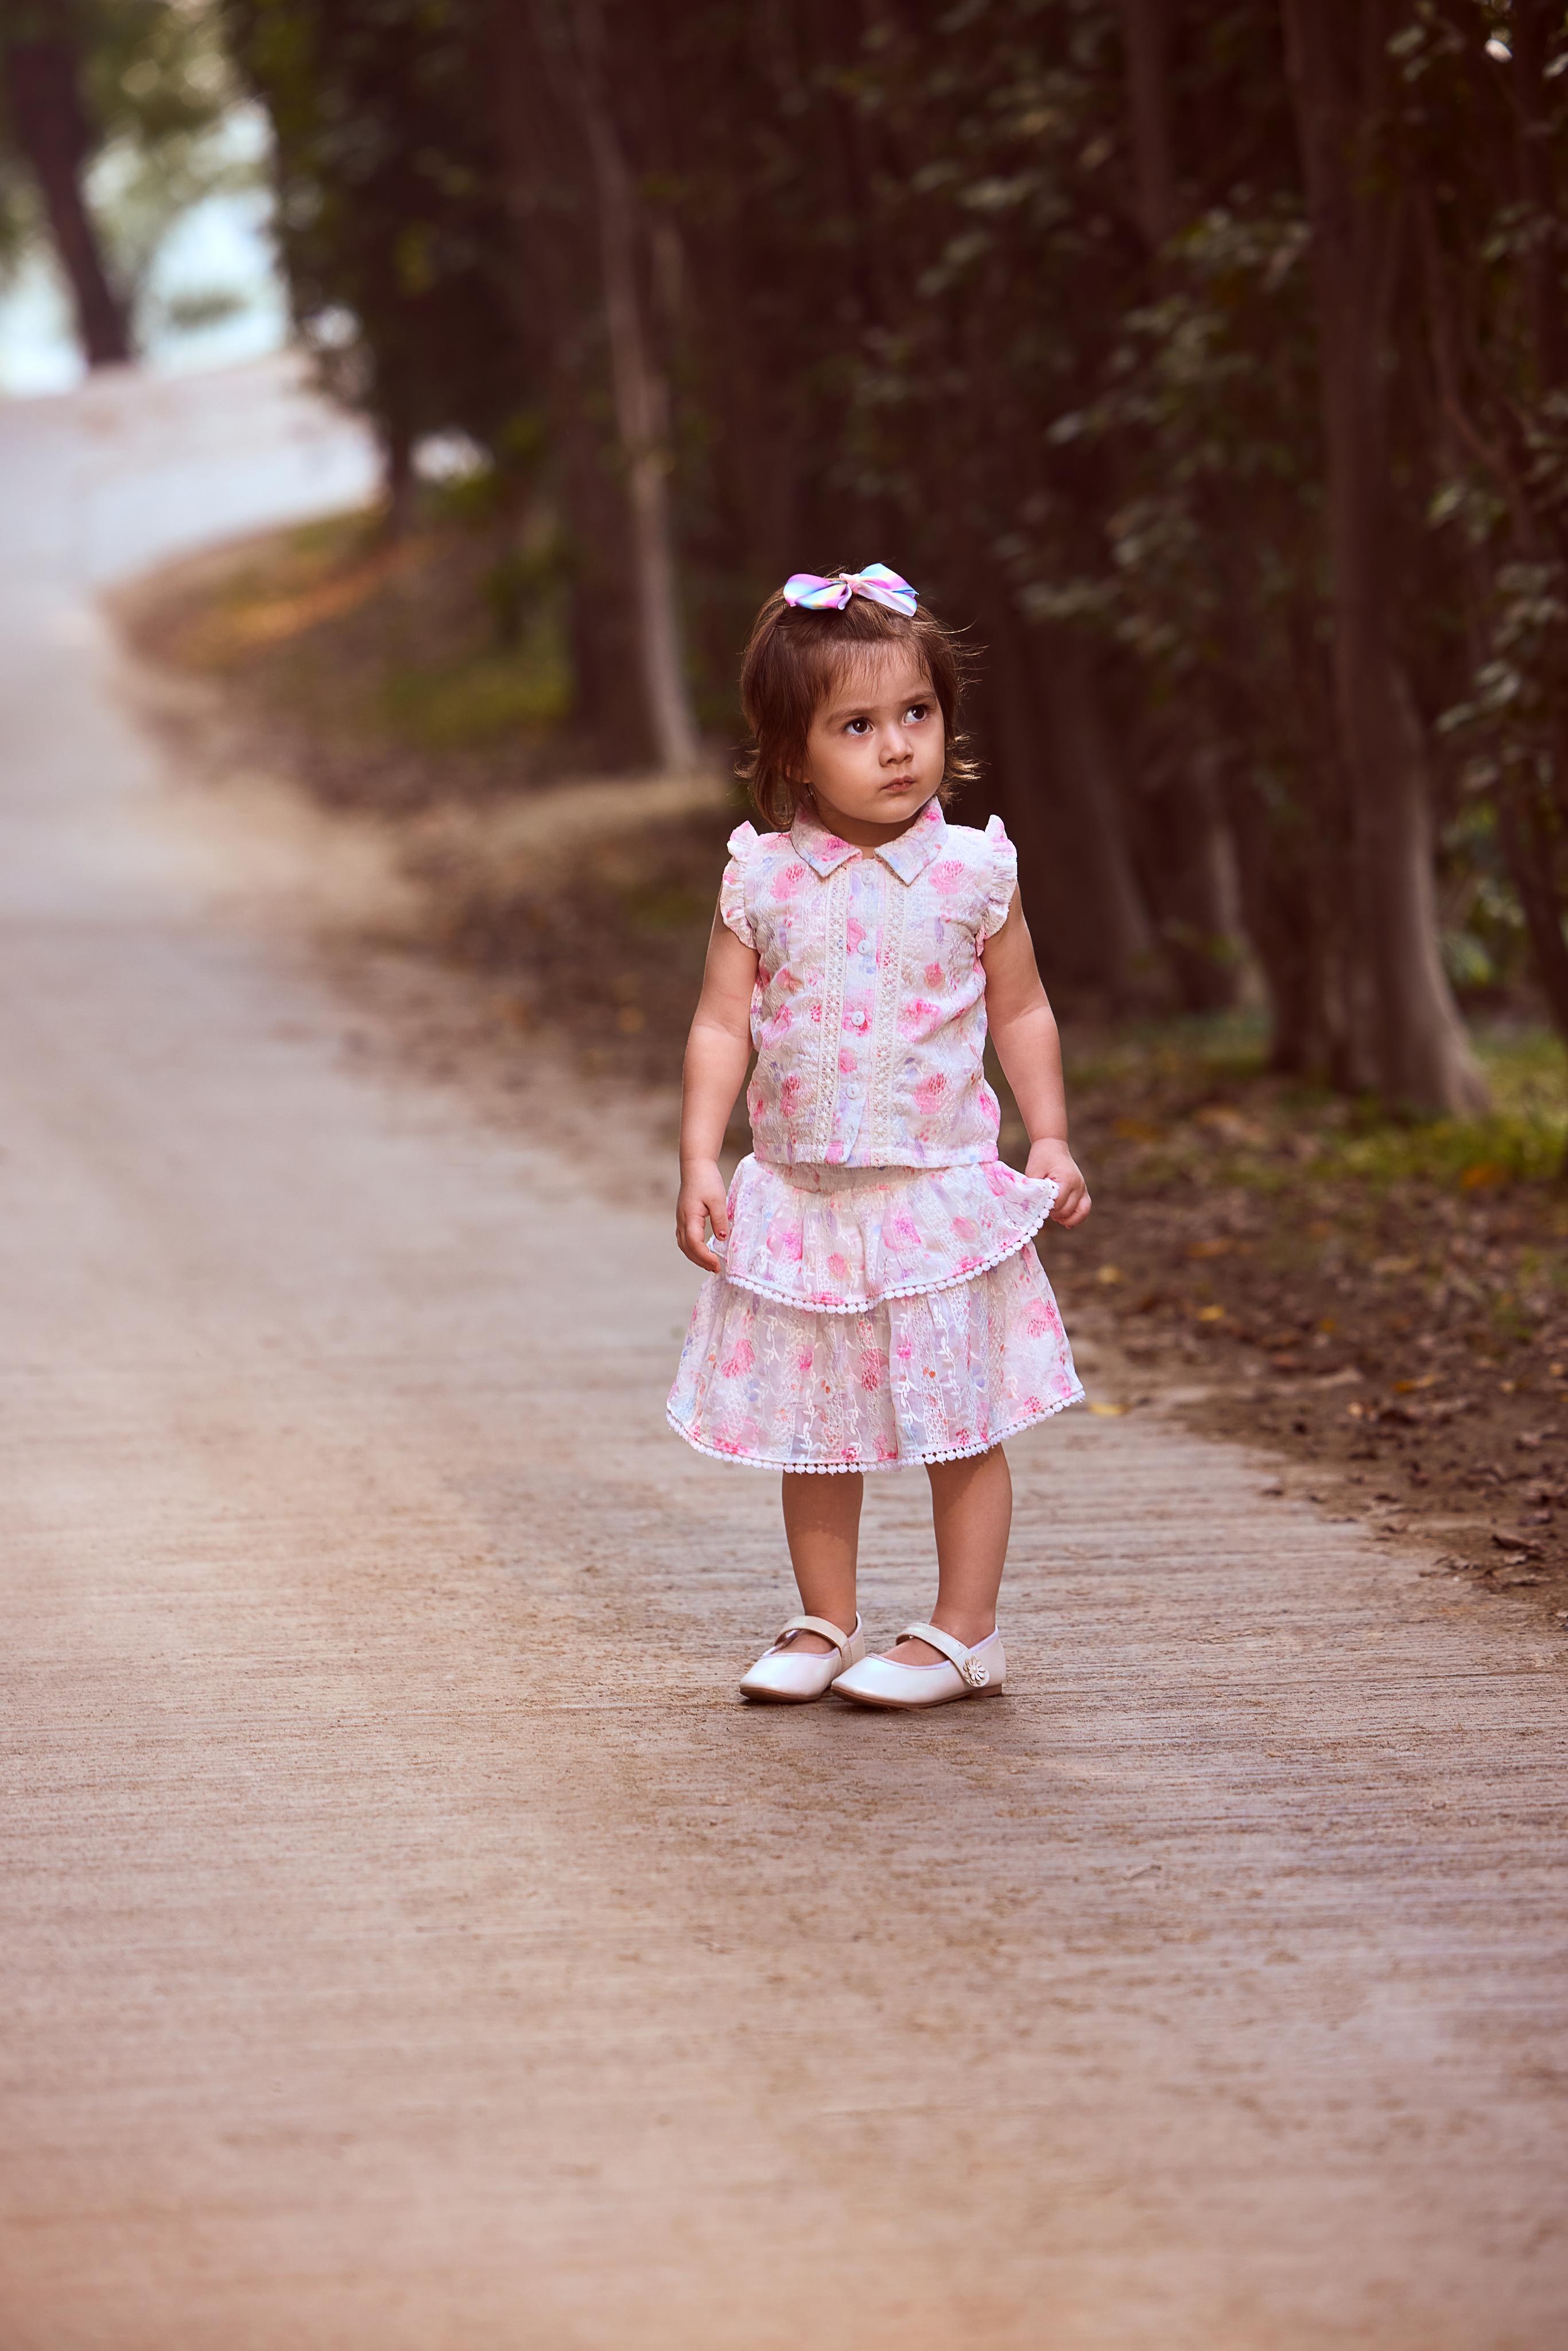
874 1319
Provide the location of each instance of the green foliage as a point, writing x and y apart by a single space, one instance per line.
389 206
156 73
920 286
159 91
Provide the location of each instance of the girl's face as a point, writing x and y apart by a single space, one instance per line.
876 748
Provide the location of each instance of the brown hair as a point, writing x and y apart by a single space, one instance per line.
794 659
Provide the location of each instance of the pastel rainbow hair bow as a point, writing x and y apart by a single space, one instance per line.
876 583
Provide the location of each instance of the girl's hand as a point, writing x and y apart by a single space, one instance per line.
1054 1159
702 1202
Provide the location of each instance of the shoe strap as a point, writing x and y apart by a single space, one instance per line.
974 1671
817 1625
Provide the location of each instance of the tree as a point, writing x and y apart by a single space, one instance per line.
1338 64
46 119
390 214
550 281
113 116
641 404
1204 359
1483 121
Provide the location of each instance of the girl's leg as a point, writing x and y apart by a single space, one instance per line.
823 1523
971 1509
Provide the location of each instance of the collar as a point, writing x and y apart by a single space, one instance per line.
908 854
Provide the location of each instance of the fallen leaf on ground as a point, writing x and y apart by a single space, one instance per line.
1108 1411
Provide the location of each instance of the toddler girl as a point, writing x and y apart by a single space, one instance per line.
875 1298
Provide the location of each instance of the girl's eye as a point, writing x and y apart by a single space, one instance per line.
918 710
858 727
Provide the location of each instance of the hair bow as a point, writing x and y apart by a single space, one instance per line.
876 583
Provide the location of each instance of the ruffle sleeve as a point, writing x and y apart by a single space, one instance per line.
1001 877
732 889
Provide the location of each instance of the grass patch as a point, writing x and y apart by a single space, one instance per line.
479 700
1207 1109
381 671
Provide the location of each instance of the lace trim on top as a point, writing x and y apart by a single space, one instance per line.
835 926
890 952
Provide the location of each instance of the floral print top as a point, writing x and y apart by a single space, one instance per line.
869 1012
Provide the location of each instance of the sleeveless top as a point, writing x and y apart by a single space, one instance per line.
869 1012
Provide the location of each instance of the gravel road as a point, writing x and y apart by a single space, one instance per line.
409 1942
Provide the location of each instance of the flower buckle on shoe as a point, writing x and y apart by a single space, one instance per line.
974 1673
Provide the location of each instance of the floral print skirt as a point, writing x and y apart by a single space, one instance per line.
874 1319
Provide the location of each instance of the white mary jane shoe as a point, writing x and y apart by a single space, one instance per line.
790 1675
978 1672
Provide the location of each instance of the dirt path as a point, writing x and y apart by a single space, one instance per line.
410 1943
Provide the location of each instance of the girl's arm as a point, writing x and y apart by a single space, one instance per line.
717 1051
1023 1025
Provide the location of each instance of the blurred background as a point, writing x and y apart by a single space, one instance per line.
1206 363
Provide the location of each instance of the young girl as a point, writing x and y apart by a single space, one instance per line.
875 1298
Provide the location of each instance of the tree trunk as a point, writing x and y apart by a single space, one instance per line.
1532 24
641 411
1287 942
400 483
1146 41
50 126
1186 862
529 84
1535 855
1086 809
1186 857
1058 798
1337 51
1528 848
